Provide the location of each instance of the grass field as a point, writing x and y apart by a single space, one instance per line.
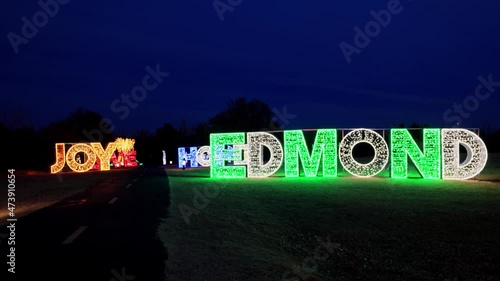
341 228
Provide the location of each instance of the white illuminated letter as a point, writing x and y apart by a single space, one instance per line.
203 156
244 151
476 158
367 136
256 142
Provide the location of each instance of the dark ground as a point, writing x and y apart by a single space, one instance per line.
119 236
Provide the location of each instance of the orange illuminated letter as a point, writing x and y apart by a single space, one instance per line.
104 156
59 165
77 166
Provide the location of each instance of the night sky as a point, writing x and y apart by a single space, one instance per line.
285 53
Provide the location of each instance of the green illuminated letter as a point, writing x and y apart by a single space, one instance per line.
428 163
220 155
325 144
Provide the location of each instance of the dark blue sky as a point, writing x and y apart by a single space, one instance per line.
285 53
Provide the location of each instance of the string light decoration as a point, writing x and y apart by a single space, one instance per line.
191 156
325 144
428 162
193 163
256 142
181 155
90 157
60 153
477 154
94 156
104 156
245 154
203 156
220 155
366 136
126 153
217 155
124 145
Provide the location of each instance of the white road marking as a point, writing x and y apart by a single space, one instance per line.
128 185
113 200
75 235
135 180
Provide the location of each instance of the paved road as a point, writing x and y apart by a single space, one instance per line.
106 233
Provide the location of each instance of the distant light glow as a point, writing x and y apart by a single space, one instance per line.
363 136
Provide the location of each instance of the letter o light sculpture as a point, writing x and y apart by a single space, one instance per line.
81 167
363 136
199 156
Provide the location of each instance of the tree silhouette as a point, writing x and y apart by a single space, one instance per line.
241 115
77 127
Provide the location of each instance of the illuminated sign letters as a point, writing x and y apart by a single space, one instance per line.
82 157
91 152
438 156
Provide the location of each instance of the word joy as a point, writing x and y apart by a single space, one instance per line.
93 151
439 157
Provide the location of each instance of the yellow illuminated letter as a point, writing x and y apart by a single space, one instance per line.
59 165
89 157
104 156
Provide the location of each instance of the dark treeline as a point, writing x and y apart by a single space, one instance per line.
27 148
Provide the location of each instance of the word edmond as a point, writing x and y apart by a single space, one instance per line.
439 157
